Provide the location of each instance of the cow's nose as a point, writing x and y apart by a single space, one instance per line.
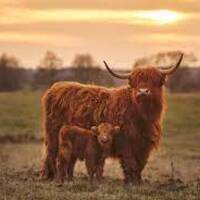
143 91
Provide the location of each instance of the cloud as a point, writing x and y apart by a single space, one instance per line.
180 5
6 4
165 39
150 17
38 38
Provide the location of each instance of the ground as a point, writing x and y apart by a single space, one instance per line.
173 170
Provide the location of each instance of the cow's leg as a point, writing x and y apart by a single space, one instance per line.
130 169
49 165
142 161
51 150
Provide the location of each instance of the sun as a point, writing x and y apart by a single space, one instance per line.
159 16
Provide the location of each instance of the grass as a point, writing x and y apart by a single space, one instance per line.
183 114
173 171
182 122
20 114
19 179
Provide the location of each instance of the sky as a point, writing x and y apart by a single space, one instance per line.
118 31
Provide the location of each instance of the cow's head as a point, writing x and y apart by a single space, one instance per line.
146 84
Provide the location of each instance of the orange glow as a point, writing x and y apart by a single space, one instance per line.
149 17
160 16
39 38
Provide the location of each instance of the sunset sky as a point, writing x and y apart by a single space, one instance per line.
118 31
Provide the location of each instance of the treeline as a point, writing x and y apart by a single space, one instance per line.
12 75
83 69
186 79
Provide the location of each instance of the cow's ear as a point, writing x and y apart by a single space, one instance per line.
163 79
116 129
94 130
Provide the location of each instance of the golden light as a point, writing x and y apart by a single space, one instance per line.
144 17
159 16
39 38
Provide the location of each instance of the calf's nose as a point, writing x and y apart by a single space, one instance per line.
104 139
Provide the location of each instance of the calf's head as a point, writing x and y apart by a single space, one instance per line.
105 133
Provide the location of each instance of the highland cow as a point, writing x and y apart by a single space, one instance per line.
137 108
92 145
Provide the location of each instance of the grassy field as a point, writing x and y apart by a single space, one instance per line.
173 171
20 115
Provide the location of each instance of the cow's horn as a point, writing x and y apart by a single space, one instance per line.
121 76
170 70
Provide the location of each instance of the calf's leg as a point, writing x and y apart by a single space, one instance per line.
70 169
91 165
64 159
99 171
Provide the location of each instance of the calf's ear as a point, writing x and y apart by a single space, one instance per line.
94 130
116 129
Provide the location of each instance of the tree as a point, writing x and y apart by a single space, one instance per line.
51 61
47 70
87 71
12 76
166 59
83 61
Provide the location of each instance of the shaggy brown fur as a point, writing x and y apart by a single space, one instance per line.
93 145
86 105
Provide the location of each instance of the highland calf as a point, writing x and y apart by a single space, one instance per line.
137 108
78 143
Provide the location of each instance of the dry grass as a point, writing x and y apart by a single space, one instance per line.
19 178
